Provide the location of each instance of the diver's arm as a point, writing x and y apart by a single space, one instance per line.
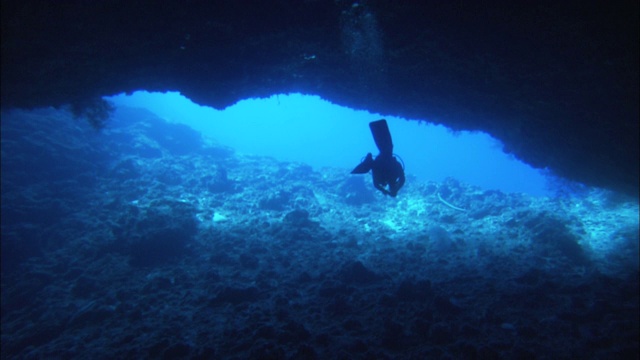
399 181
381 188
397 186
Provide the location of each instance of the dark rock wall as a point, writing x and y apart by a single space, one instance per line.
556 81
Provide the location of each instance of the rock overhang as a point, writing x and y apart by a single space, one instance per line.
557 83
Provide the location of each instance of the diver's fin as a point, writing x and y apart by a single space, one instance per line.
382 136
364 166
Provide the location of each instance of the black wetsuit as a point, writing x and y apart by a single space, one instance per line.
386 170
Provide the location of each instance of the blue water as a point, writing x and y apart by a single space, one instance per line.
314 131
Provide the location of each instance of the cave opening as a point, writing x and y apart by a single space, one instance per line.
311 130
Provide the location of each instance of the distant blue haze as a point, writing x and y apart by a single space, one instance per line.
309 129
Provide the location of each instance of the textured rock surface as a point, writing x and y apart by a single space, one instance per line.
556 81
114 251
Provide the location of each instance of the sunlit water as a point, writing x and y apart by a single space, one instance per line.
309 129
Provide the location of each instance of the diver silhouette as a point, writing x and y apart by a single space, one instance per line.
386 170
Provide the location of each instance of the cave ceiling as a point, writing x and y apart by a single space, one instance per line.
556 81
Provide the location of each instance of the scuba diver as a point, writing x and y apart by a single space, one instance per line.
386 170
